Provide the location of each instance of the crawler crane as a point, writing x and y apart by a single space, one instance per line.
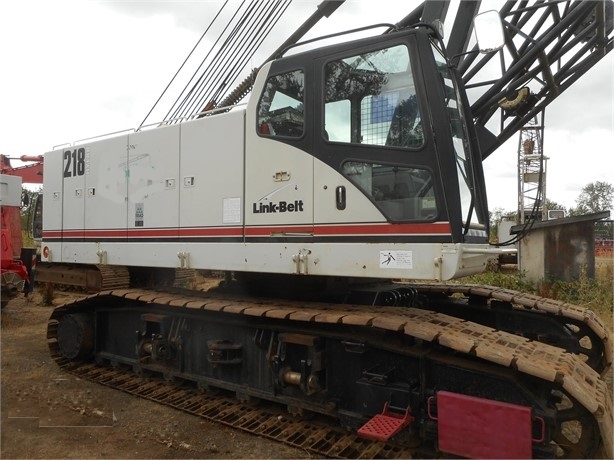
351 167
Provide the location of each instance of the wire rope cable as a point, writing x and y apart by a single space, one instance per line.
182 64
241 38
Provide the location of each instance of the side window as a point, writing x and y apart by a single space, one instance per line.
371 99
402 193
281 111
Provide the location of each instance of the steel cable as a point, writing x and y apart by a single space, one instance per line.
241 43
255 42
168 116
212 73
183 64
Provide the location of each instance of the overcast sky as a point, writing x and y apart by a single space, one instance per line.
77 69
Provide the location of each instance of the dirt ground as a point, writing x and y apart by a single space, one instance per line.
46 413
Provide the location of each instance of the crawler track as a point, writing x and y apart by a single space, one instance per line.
551 365
319 438
581 319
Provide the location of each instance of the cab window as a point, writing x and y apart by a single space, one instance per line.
281 109
371 99
402 193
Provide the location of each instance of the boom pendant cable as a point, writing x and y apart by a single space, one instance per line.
229 48
177 108
182 65
239 46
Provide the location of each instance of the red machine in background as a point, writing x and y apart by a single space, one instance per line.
17 262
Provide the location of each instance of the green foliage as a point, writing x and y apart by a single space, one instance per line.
594 294
553 205
27 240
595 197
495 277
28 199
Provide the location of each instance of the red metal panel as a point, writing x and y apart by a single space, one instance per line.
483 428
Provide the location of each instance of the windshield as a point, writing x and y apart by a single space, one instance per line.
459 141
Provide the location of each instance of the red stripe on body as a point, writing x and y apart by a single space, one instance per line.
436 228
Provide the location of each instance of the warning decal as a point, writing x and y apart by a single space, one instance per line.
395 259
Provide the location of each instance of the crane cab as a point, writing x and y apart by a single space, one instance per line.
371 138
354 159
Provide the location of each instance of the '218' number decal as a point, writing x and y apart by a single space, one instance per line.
74 162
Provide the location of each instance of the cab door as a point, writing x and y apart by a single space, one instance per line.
375 161
278 166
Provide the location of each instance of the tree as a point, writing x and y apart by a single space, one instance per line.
28 200
595 197
551 205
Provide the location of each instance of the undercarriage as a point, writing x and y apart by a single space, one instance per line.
443 369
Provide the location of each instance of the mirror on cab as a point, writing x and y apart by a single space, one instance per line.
489 31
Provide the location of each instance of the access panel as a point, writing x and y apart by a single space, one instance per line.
153 183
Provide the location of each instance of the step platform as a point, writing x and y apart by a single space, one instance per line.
384 426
